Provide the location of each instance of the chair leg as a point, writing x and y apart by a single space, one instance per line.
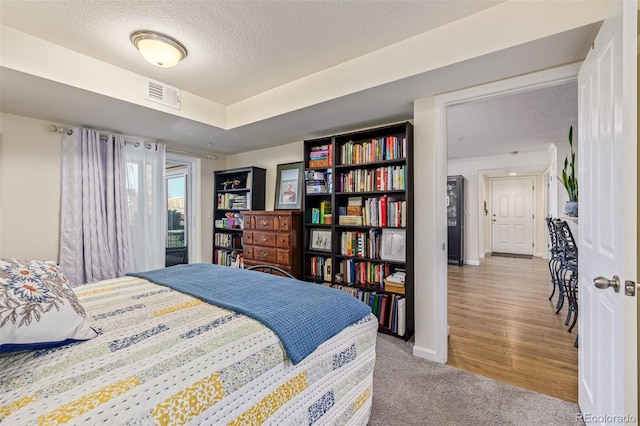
553 281
575 318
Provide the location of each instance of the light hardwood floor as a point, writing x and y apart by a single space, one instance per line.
502 326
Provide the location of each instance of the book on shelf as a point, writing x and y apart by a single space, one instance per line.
228 258
232 201
319 163
325 209
389 309
388 178
395 282
316 181
350 220
402 315
385 211
320 267
381 149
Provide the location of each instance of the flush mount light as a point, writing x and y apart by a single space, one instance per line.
158 49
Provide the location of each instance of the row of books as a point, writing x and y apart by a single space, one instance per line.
384 211
320 267
390 309
320 155
228 240
388 148
321 215
380 179
229 223
228 258
364 273
361 244
232 201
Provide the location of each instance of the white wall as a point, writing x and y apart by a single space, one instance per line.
427 240
477 190
269 159
30 193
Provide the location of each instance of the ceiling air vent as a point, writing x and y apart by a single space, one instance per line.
162 94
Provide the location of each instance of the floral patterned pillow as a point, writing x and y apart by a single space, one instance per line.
38 309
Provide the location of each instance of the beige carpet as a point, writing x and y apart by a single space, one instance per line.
412 391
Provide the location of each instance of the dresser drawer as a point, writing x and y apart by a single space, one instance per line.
247 237
283 240
265 223
247 252
264 239
264 254
283 223
283 257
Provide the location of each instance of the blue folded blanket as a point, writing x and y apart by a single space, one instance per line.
301 314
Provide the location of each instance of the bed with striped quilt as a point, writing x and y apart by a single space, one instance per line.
165 357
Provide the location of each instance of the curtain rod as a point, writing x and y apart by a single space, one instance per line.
68 131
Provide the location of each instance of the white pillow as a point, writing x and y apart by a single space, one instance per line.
38 309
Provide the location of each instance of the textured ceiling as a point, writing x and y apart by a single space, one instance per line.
528 121
236 48
242 49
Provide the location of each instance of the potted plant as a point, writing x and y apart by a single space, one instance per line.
569 180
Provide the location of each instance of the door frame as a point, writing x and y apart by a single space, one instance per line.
194 244
538 80
534 208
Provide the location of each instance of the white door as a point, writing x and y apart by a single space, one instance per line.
607 227
512 215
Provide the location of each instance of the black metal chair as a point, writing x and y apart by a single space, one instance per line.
568 271
554 261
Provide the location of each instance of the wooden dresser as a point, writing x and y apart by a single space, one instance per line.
273 238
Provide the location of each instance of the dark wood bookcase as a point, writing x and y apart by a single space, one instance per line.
236 191
455 219
349 243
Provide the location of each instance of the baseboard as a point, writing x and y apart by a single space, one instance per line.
472 262
424 353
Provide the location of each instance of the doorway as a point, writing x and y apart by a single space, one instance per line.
522 234
512 215
182 194
176 183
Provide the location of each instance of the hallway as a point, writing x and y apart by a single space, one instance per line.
502 326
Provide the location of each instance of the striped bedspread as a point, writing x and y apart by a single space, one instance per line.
163 357
302 314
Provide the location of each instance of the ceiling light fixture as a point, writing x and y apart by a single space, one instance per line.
158 49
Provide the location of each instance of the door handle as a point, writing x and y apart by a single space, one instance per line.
603 283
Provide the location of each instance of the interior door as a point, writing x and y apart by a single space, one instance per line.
512 215
607 227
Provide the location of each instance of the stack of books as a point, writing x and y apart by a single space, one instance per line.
317 181
394 283
352 213
320 156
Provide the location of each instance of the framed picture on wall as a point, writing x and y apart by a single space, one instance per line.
289 186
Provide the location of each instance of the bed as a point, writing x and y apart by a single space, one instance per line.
161 356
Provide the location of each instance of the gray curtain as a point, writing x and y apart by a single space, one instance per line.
93 222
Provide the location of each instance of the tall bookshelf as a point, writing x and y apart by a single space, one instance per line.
236 191
358 225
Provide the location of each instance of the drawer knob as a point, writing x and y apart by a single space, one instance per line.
264 222
283 224
265 238
264 254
